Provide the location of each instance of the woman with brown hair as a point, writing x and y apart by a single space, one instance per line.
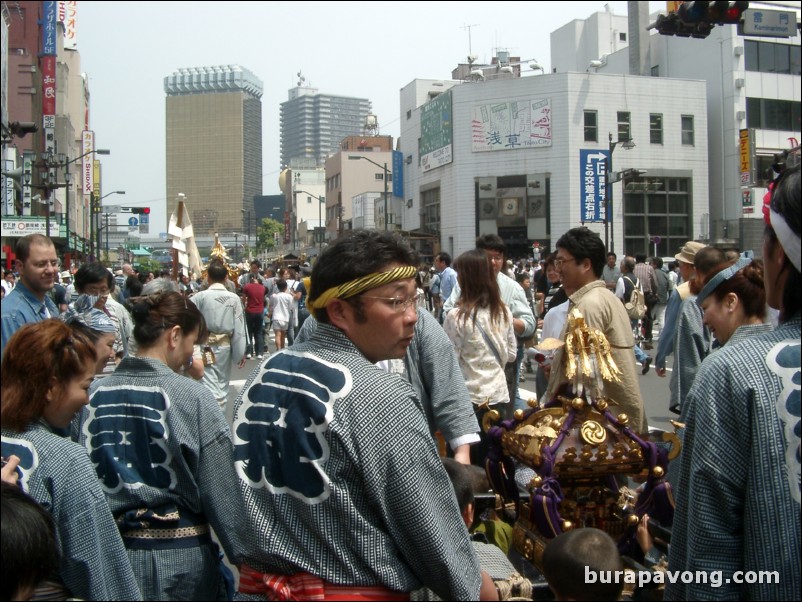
46 371
480 327
162 450
733 300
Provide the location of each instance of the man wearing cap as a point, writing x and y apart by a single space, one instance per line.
681 292
28 301
347 495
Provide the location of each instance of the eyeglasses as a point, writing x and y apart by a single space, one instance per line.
496 258
561 260
97 291
40 265
399 304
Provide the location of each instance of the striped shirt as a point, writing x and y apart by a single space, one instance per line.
342 478
738 504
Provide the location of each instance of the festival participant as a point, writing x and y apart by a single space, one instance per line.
162 451
480 328
733 299
46 371
513 297
738 504
228 337
580 259
346 493
98 327
430 365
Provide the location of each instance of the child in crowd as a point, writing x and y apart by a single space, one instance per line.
573 559
281 306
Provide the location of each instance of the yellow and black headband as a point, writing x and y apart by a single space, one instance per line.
360 285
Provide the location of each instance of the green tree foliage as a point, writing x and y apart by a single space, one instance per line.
268 233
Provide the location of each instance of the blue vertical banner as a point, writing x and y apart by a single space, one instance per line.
398 174
593 184
49 28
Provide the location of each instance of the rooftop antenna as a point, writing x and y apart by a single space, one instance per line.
301 79
468 27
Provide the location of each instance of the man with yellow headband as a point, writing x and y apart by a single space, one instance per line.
347 495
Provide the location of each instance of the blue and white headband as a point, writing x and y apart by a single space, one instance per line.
83 311
723 275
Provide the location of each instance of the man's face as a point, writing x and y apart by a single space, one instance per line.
39 271
611 261
254 269
573 273
496 260
686 271
383 332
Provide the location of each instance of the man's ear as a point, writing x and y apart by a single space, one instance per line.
340 314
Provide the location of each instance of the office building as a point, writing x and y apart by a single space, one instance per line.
314 124
214 145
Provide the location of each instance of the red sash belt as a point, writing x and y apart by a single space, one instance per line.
303 586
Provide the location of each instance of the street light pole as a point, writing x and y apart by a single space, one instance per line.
386 174
97 205
609 228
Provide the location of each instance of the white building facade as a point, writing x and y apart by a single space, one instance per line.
526 158
753 88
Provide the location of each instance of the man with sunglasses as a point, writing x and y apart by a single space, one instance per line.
28 301
347 494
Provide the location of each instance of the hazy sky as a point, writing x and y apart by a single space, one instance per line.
366 50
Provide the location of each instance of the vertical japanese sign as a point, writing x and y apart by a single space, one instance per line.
66 15
27 195
745 156
593 185
49 48
87 173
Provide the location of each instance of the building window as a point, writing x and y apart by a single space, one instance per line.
656 71
770 57
591 126
624 128
656 206
409 114
379 176
687 130
656 128
622 36
772 114
430 211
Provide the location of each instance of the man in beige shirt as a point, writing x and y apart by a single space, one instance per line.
580 260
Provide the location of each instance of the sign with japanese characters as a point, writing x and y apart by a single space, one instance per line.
593 185
511 125
436 134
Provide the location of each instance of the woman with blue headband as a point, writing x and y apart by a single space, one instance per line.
738 498
734 301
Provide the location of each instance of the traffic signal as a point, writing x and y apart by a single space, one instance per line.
141 210
732 13
697 19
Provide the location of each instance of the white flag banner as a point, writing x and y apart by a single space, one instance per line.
183 240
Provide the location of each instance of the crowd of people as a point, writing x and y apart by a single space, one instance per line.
128 474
